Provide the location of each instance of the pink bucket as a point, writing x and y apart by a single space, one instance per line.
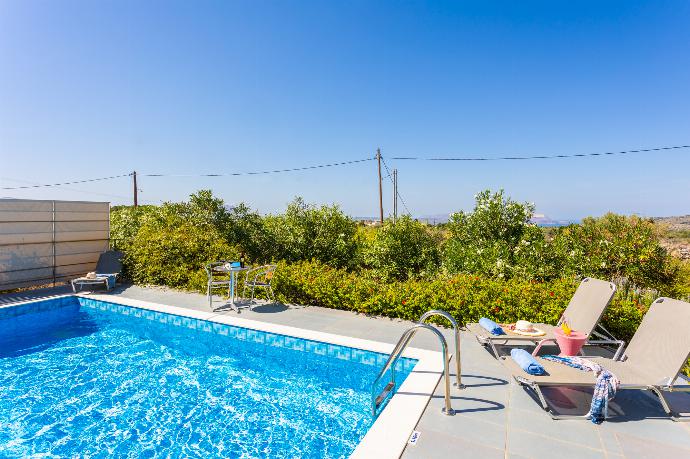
570 344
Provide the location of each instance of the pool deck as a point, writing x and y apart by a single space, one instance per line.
495 417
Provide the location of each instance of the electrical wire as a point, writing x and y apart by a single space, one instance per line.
67 189
276 171
229 174
521 158
344 163
63 183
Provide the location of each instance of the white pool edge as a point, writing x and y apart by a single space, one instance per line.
389 434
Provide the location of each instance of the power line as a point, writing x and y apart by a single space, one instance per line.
275 171
229 174
66 188
344 163
63 183
521 158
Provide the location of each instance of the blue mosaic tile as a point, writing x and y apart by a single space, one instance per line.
270 339
299 345
380 359
240 333
220 329
275 340
255 336
321 349
339 352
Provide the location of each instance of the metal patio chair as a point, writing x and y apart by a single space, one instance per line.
217 278
260 277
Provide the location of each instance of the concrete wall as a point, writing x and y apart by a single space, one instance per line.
50 241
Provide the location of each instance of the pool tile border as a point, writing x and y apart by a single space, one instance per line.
247 334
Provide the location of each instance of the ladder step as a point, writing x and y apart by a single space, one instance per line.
382 396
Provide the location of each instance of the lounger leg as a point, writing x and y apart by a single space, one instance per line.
664 403
619 351
271 295
494 349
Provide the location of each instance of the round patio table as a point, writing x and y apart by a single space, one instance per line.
232 271
570 345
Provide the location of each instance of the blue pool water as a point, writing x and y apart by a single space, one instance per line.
85 378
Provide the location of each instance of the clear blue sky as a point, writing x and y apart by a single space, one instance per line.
89 89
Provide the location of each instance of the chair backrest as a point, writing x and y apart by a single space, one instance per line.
661 344
109 262
214 273
588 304
266 272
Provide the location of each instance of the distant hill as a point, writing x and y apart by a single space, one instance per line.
680 223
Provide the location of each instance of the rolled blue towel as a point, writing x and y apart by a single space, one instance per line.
491 326
110 279
528 363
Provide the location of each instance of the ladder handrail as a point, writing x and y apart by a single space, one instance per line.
456 330
397 353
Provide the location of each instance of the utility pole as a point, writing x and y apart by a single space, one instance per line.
395 195
378 157
134 177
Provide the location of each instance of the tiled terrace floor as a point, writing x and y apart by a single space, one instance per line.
495 417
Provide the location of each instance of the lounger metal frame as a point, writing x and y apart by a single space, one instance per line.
657 390
659 348
604 337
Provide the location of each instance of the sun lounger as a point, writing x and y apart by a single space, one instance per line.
108 268
652 361
583 314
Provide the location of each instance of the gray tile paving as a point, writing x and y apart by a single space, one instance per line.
636 448
496 417
436 444
543 446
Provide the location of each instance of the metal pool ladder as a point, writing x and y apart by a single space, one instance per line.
377 400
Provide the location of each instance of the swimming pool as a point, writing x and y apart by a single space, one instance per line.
80 375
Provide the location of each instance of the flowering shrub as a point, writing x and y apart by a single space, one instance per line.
616 247
497 239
